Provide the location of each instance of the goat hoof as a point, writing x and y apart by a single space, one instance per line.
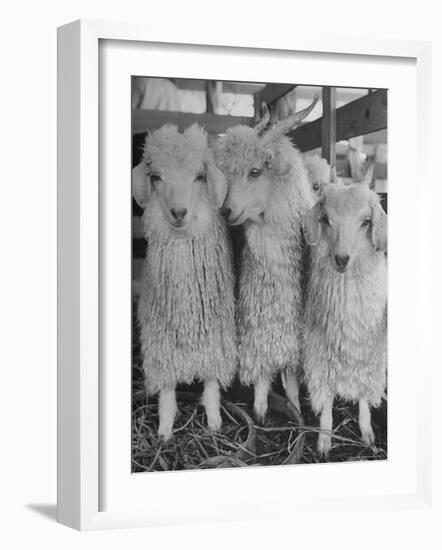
324 444
260 412
214 423
295 402
165 433
368 436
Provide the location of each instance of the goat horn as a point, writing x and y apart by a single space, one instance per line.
289 123
264 120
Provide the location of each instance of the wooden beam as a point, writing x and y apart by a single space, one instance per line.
362 116
308 136
328 125
256 106
145 119
209 89
247 88
377 138
272 92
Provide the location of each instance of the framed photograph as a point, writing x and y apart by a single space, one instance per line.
231 318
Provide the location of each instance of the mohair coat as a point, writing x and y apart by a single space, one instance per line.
346 329
186 307
270 302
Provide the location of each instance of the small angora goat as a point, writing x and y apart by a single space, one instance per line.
319 173
346 317
268 192
186 307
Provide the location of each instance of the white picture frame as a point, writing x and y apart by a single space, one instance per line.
80 437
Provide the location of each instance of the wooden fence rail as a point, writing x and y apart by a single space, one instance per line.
363 116
145 119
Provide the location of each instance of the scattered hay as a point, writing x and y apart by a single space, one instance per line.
286 438
193 446
241 442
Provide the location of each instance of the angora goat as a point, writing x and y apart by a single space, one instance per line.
319 173
345 318
186 307
268 192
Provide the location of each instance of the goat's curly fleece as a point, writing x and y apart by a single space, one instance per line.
166 145
186 307
269 308
318 169
346 329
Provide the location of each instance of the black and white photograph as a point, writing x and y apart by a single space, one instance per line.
259 274
221 281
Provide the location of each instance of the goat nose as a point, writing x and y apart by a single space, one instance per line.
226 212
178 213
342 260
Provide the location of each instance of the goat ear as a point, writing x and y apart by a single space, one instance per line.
379 227
216 182
141 186
368 178
312 224
280 166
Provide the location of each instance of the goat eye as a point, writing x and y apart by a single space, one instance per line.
255 172
366 222
155 178
325 220
315 187
202 177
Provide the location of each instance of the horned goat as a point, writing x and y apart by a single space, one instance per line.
268 192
